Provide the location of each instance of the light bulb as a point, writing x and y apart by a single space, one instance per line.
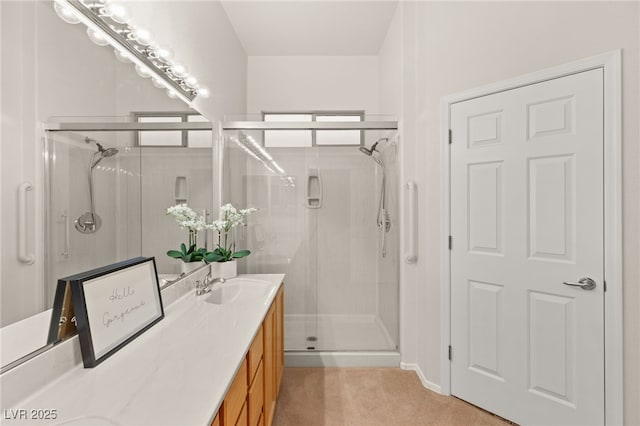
143 71
97 37
191 81
123 56
65 13
117 12
158 83
171 94
204 92
142 36
178 70
163 54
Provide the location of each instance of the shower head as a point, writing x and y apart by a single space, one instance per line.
101 153
373 149
108 152
365 151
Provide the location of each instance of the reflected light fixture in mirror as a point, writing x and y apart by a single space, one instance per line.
108 23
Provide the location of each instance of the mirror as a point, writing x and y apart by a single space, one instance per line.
54 70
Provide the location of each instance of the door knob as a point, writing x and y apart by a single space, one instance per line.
584 283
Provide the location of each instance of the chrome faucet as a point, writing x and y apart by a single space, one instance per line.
205 286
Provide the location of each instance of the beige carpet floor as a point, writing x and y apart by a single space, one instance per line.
368 397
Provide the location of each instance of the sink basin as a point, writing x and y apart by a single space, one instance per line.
236 291
223 294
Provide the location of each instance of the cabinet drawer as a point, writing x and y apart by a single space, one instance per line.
255 354
256 397
236 396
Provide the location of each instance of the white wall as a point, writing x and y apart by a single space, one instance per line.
203 40
453 46
293 83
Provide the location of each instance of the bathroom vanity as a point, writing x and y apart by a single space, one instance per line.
214 359
251 398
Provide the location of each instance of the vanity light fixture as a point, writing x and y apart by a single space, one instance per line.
108 23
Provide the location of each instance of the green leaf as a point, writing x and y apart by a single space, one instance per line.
197 256
213 257
240 253
175 254
183 248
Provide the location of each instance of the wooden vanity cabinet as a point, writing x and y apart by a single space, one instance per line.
251 399
236 398
279 338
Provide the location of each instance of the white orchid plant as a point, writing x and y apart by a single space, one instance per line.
189 220
230 217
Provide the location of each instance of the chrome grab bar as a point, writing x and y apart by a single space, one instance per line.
23 256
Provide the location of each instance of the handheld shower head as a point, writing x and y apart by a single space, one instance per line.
373 150
102 151
90 222
365 151
109 152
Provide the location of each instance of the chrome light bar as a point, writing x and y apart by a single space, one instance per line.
107 24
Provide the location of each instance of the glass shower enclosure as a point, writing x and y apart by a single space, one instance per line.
326 186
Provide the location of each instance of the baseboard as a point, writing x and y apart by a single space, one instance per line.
426 383
341 359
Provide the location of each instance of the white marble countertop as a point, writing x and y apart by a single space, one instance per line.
175 373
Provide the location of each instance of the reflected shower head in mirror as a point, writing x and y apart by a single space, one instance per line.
103 152
90 222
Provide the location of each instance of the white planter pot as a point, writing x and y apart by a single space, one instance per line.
187 268
224 270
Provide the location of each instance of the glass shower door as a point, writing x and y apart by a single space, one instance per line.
317 223
72 167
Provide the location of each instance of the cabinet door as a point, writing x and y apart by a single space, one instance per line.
256 397
236 397
269 365
242 417
255 354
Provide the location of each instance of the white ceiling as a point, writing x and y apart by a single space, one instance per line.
313 28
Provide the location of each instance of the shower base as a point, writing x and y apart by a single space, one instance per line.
338 341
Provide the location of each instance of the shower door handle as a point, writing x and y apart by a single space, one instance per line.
314 189
23 256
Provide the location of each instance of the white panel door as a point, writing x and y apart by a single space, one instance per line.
526 216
